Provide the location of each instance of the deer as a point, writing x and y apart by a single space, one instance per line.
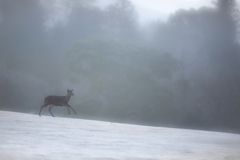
57 101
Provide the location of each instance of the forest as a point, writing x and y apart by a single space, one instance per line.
182 73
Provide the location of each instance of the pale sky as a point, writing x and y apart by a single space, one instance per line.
149 10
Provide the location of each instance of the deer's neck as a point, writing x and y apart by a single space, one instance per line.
68 96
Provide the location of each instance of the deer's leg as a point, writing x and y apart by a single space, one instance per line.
70 107
49 109
42 108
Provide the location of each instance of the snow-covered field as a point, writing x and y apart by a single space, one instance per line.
30 137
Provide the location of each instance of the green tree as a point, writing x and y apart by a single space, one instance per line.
205 43
21 23
122 21
123 81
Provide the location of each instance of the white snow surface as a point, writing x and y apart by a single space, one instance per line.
30 137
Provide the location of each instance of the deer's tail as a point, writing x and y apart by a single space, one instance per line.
45 100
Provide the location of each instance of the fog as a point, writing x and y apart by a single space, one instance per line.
181 71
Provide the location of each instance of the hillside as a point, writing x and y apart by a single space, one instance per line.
26 136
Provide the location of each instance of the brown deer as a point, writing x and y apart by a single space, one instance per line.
57 101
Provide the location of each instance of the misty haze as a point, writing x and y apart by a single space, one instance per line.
180 72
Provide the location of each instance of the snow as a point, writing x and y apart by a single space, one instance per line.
27 136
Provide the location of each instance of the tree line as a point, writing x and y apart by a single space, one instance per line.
183 72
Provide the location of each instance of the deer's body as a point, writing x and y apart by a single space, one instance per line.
57 101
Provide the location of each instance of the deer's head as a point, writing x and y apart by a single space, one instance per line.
70 92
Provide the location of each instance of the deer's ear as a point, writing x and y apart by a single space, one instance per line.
68 90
